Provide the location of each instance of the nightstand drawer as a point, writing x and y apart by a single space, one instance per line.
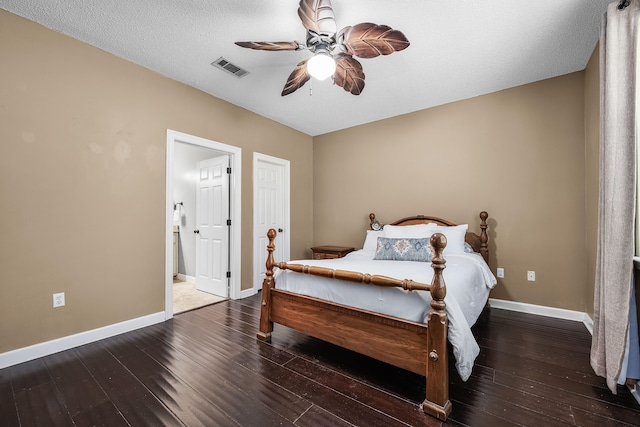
329 252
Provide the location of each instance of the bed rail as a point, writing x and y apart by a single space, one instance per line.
353 276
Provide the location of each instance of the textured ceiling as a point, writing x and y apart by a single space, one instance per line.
459 49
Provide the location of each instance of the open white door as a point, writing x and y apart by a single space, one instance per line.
212 232
271 210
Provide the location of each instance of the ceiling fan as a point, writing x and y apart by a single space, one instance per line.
334 51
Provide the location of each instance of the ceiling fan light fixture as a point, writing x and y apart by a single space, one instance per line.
321 65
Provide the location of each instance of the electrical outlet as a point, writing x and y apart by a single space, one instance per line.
58 300
531 276
500 273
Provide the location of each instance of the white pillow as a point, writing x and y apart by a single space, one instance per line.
371 241
455 237
417 231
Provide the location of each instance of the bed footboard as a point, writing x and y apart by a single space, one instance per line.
413 346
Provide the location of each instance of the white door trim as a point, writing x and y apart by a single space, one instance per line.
286 164
235 186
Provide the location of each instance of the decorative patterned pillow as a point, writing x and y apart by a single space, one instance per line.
468 249
403 249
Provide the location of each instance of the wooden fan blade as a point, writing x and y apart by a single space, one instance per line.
349 74
296 79
367 40
317 15
270 45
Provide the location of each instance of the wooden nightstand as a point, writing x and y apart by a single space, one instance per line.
329 252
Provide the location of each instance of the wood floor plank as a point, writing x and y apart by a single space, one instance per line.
571 362
79 390
233 322
589 419
8 410
209 326
42 405
142 338
517 400
250 313
521 341
576 395
318 417
132 399
468 414
103 415
187 404
29 375
526 367
212 352
324 397
401 409
509 408
247 406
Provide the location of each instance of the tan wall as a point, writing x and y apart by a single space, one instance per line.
82 181
592 159
518 154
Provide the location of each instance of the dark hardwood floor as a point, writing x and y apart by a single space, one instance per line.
206 368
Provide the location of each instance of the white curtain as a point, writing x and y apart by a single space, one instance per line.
617 204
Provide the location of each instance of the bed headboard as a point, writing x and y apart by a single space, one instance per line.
477 242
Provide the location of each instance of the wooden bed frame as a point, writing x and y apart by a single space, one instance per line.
416 347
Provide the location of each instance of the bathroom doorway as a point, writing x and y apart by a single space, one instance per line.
184 153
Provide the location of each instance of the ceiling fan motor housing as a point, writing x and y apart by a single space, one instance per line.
320 41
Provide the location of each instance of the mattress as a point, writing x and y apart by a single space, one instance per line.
467 277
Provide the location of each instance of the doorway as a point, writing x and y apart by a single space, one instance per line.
180 146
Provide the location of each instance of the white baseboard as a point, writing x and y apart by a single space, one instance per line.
35 351
635 392
247 293
541 310
588 323
185 278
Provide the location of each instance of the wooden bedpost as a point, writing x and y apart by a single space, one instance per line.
437 401
266 325
484 248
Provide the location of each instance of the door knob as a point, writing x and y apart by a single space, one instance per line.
196 231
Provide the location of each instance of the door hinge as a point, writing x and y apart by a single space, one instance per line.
229 222
229 171
228 274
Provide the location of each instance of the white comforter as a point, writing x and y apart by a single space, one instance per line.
467 277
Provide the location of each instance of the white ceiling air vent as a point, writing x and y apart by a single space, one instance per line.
227 66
